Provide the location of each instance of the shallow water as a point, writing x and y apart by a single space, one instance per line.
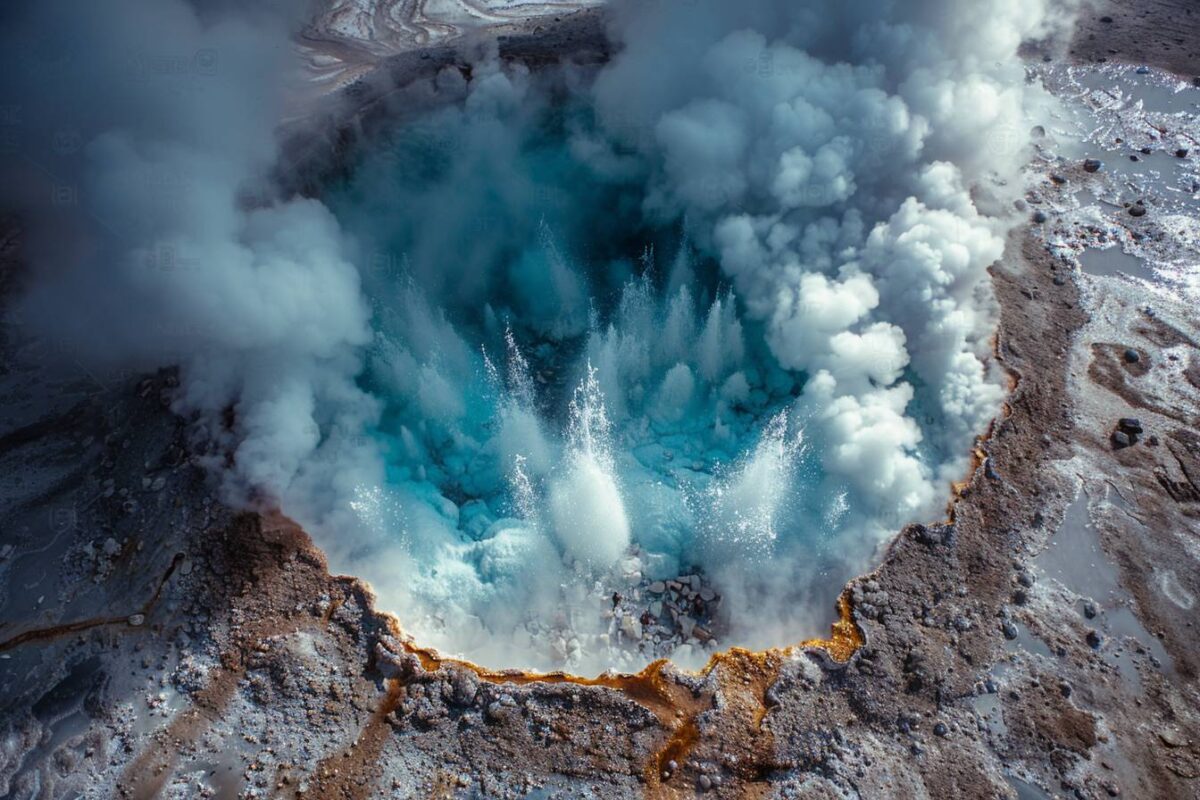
1113 261
1075 558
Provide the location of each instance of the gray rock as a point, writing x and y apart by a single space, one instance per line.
464 687
1172 738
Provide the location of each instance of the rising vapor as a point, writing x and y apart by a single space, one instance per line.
721 304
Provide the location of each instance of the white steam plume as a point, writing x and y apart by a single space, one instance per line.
833 180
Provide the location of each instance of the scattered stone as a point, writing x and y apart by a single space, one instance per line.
657 587
1182 152
1009 629
1093 165
705 783
1132 356
940 729
1137 210
1106 20
1131 425
1039 217
137 620
5 552
464 688
1058 179
1089 609
1094 639
1121 440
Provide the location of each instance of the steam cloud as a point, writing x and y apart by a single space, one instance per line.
721 305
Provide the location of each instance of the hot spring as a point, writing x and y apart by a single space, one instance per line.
578 366
602 444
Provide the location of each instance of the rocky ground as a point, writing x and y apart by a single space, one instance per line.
1040 642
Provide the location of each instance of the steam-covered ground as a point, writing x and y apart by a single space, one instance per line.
1038 644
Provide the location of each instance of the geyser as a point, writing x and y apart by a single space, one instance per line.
579 367
586 509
